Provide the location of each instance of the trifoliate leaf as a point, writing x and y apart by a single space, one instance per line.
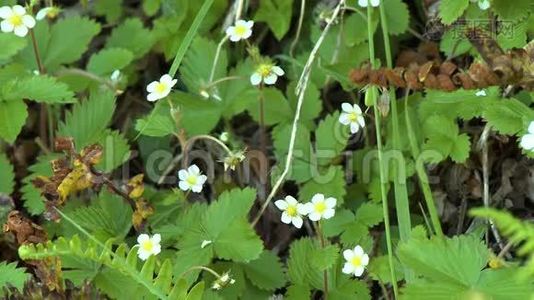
331 138
13 115
277 14
11 45
69 39
443 139
6 173
397 16
10 275
451 10
108 60
266 272
131 35
41 88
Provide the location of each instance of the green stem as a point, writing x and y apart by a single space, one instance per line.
322 240
383 179
402 204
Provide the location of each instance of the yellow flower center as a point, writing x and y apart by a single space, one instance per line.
356 261
320 207
292 210
15 20
353 117
265 70
240 30
160 87
148 245
192 180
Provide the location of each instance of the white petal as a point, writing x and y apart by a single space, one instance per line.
197 188
250 24
153 97
19 10
286 218
308 207
358 271
255 79
143 238
302 209
235 38
314 216
41 14
362 3
202 179
365 260
375 3
166 78
6 26
182 174
270 79
173 83
361 121
241 23
348 268
354 127
484 4
347 107
156 250
297 221
156 238
194 170
344 119
531 127
358 251
28 21
5 12
142 254
527 142
247 34
281 204
481 93
348 255
184 186
357 109
329 213
278 71
317 198
331 202
291 200
151 87
21 31
230 30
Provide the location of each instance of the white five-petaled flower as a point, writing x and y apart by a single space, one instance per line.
241 30
320 208
356 261
47 12
191 179
292 211
527 141
482 4
364 3
223 281
148 245
266 72
16 20
352 115
160 89
481 93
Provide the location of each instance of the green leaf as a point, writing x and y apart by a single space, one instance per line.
192 109
442 137
13 116
277 14
69 39
330 182
370 214
460 149
508 116
11 45
34 202
238 242
312 104
108 60
198 62
116 150
301 165
231 205
131 35
266 272
111 9
397 16
331 138
276 107
151 7
324 258
7 174
519 10
41 88
379 269
298 292
451 10
87 121
158 123
299 264
10 275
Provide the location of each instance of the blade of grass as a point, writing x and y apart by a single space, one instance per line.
371 92
402 204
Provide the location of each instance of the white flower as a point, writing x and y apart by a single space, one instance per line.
482 4
356 259
364 3
191 179
115 76
321 208
481 93
205 243
16 20
148 245
160 89
223 281
268 73
242 30
292 211
527 141
47 12
352 115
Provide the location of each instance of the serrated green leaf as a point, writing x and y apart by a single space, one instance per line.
397 16
460 149
111 9
324 258
337 224
158 123
11 45
238 242
442 137
230 206
275 106
131 35
330 182
13 116
151 7
369 214
8 176
277 14
87 121
451 10
265 272
515 12
300 269
298 292
69 39
10 275
508 116
466 103
312 103
108 60
41 88
194 108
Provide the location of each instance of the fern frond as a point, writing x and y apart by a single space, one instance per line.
519 232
